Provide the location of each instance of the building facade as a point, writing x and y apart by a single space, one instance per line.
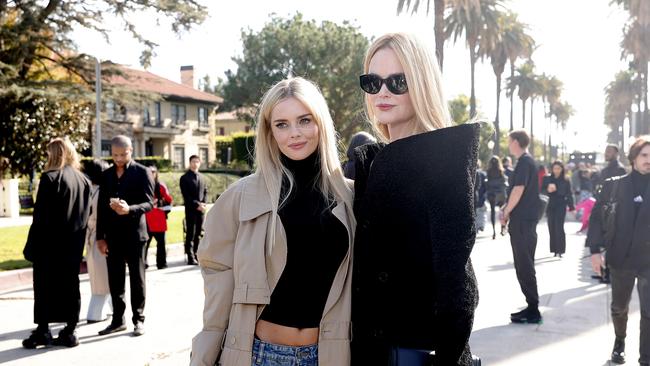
168 119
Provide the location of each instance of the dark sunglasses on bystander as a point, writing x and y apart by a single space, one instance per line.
371 83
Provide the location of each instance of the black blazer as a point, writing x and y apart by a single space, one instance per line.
136 188
194 192
413 282
561 198
630 248
61 210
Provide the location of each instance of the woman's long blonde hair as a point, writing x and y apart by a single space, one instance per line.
61 152
424 82
331 181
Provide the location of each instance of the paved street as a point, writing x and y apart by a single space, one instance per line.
576 328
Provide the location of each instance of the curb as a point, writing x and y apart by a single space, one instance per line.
17 278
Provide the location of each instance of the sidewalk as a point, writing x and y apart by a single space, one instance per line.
576 329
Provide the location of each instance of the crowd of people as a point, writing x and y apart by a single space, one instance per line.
297 257
114 212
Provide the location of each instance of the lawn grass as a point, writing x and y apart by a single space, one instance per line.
12 242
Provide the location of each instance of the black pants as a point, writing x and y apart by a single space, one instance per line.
555 219
523 238
131 253
622 286
161 252
193 227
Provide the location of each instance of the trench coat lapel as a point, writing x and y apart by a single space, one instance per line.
340 212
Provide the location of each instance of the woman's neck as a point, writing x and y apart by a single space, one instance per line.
398 131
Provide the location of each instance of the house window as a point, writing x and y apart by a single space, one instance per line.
179 114
158 115
110 110
179 157
222 131
203 116
146 116
106 148
203 154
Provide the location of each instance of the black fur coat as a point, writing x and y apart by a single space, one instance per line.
413 281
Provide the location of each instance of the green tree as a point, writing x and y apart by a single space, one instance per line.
329 54
44 84
619 97
517 44
551 92
473 18
438 24
525 84
562 112
459 109
30 122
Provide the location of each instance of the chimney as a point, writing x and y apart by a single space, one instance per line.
187 76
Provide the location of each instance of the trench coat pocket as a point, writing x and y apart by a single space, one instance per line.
335 330
206 347
247 294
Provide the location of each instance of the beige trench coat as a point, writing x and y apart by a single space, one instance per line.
97 268
239 278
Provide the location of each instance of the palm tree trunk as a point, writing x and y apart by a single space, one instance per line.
497 129
472 99
550 139
439 29
512 97
532 134
523 113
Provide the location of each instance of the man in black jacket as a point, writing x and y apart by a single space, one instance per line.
627 241
614 167
125 194
521 212
195 194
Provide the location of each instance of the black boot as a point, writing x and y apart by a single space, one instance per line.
38 337
530 315
618 353
67 337
191 260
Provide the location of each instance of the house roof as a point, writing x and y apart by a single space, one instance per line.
148 82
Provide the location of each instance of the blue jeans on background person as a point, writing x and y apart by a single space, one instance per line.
268 354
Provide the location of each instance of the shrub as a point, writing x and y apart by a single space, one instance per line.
243 146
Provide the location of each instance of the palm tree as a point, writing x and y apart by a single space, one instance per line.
636 45
472 18
438 25
492 45
563 112
525 84
536 90
619 97
517 44
551 92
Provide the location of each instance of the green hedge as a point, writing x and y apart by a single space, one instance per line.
217 183
243 147
164 165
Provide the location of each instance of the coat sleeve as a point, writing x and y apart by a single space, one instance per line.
215 255
146 198
164 192
569 196
595 233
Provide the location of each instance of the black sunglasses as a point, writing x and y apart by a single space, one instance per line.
371 83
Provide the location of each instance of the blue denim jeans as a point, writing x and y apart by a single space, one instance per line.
268 354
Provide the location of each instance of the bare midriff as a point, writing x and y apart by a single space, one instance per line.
287 336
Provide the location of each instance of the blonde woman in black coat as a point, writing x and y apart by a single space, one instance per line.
55 244
414 289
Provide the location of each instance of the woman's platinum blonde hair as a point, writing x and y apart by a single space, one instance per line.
423 78
331 181
61 152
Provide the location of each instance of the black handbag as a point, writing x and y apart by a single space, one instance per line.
411 357
609 215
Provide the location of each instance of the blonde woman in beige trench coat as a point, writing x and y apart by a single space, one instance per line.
248 254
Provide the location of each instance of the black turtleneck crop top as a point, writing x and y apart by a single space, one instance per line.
317 243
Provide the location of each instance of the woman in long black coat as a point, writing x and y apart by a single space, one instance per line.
560 196
413 286
55 244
